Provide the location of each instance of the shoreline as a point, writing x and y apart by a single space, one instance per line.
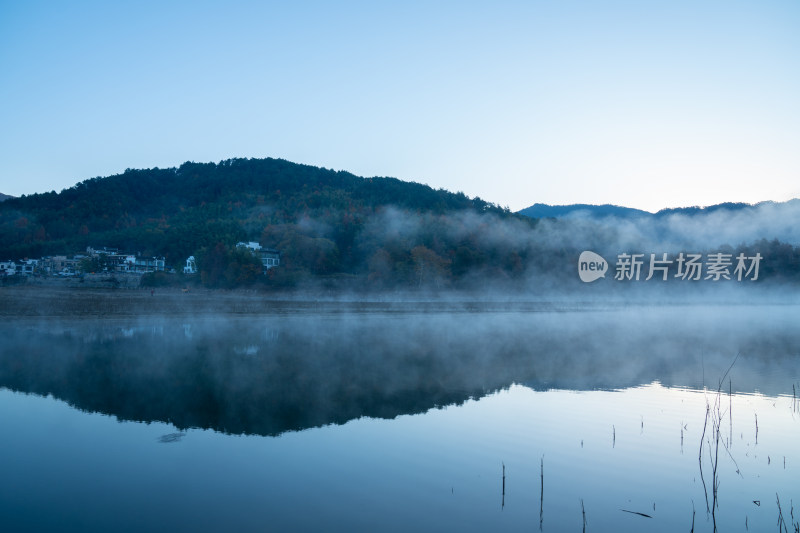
47 301
43 302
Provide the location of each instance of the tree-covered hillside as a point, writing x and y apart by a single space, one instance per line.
324 222
340 230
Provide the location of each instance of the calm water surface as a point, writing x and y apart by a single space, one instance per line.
400 421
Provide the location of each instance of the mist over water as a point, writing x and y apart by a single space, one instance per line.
270 374
402 415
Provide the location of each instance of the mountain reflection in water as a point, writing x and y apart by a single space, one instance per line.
270 374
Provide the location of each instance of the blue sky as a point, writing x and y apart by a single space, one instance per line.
643 104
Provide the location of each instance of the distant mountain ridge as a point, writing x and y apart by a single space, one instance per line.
598 211
608 210
725 206
5 196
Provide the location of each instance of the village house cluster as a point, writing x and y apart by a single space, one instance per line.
112 260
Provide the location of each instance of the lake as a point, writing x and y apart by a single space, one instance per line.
548 417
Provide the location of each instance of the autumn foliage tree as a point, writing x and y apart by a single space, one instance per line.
223 266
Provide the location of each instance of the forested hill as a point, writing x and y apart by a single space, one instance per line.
341 230
315 216
4 197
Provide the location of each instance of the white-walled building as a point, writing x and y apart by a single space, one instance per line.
270 258
8 268
191 266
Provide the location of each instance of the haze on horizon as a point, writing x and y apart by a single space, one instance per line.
642 106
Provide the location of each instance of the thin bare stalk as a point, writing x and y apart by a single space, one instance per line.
541 497
781 521
503 502
583 512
